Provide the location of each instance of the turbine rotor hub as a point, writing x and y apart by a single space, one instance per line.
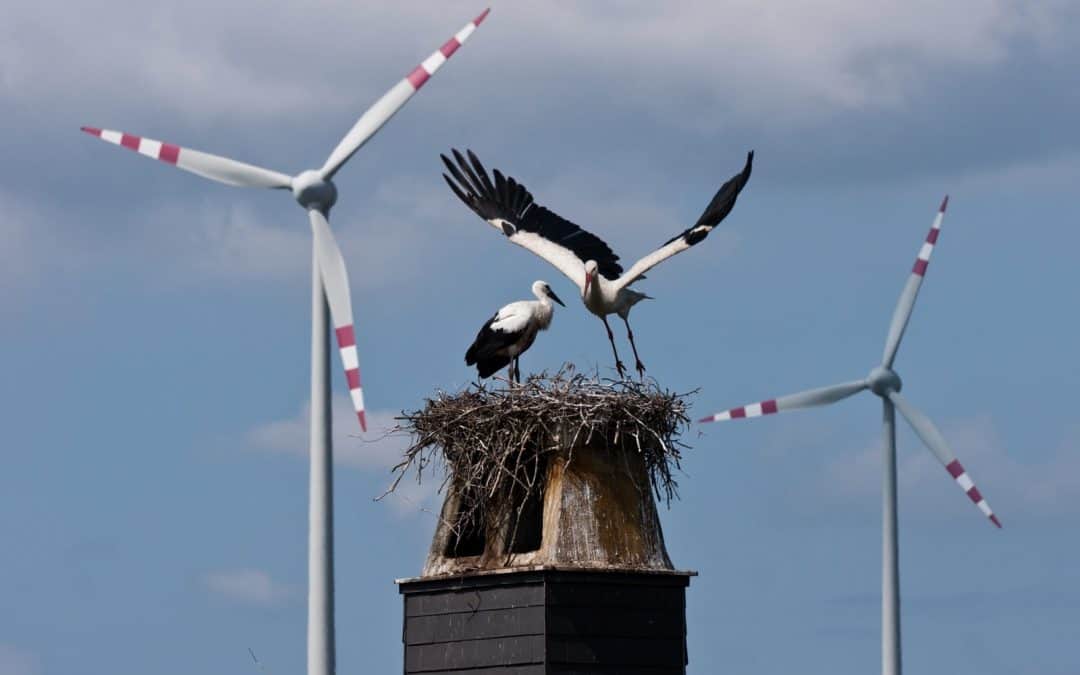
882 380
313 191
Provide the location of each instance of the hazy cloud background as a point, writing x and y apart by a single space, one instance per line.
248 586
163 514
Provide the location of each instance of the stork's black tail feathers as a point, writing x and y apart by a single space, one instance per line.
486 351
725 197
487 361
486 364
487 367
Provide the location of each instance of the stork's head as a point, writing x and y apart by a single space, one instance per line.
590 275
541 290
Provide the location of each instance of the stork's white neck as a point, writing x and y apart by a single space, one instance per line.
544 309
544 313
594 295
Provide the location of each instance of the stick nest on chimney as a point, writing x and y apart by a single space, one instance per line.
493 442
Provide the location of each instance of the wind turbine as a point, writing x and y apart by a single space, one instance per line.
884 382
315 191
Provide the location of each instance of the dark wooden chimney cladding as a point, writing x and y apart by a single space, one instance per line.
546 621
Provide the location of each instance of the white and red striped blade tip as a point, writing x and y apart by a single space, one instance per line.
923 261
956 470
752 410
427 68
166 152
346 339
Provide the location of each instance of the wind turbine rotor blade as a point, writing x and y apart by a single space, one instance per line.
804 399
214 167
933 439
336 285
392 101
911 290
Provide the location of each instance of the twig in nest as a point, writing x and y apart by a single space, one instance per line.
495 442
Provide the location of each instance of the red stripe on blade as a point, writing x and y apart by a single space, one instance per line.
450 47
129 141
944 204
169 153
974 494
345 336
93 131
919 268
932 237
353 376
954 468
994 520
768 407
483 15
363 420
704 420
738 412
418 77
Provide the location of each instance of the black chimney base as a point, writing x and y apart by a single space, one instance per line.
546 621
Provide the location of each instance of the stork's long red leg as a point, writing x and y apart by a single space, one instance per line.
630 334
611 337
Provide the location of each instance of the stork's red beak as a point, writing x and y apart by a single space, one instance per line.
588 280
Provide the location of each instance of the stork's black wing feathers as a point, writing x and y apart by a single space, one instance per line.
508 200
489 341
722 203
486 351
585 245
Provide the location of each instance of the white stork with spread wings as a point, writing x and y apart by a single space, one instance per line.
582 256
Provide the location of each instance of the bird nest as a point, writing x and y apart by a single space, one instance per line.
494 442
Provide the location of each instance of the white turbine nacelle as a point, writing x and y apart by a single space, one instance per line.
313 191
882 380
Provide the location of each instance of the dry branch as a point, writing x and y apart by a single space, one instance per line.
494 442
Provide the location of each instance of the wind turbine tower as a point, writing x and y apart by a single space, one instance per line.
316 193
885 383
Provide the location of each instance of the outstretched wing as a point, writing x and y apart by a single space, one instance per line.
722 203
508 206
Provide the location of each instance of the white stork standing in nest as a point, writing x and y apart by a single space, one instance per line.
506 336
582 256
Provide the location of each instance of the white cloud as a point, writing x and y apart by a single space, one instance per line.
232 240
1047 487
16 226
17 661
257 60
378 451
153 54
689 61
248 586
822 56
33 248
1026 177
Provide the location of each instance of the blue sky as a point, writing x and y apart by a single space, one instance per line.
154 326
